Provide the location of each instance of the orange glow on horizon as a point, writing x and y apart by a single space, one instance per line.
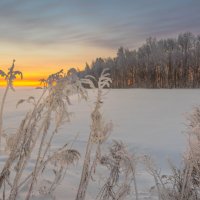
22 83
37 63
30 79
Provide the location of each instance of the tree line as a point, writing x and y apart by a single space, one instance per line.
164 63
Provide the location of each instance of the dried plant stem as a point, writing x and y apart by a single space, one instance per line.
1 112
95 134
186 180
42 165
34 175
13 155
34 130
157 185
86 175
135 187
57 179
23 162
85 171
134 182
10 76
4 190
13 193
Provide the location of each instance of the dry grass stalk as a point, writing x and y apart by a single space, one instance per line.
34 129
184 182
121 167
99 133
118 159
10 76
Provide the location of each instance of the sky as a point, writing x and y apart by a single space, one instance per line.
44 36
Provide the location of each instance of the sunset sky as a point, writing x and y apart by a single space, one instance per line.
47 35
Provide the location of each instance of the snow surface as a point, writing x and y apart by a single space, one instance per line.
148 121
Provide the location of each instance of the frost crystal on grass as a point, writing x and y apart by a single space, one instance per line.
65 157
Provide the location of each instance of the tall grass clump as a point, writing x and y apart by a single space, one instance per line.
121 179
116 161
33 139
36 132
183 183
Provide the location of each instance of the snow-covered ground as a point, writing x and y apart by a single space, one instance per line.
148 121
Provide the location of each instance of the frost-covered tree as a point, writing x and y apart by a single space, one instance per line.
164 63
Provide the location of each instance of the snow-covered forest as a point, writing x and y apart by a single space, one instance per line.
163 63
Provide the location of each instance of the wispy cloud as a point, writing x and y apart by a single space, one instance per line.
104 24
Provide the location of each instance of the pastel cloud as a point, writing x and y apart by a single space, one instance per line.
65 30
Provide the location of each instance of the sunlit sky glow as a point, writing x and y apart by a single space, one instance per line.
47 35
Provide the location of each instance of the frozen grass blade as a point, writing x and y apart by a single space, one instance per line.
9 77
